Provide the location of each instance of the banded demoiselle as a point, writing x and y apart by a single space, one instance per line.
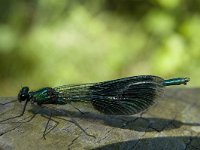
125 96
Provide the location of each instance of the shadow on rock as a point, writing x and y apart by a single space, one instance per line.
157 143
124 122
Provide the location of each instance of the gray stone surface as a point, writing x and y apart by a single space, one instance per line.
172 123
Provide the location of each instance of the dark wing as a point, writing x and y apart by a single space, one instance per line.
126 96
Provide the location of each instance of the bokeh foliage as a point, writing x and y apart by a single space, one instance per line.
51 42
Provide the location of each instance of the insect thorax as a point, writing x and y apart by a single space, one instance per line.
46 95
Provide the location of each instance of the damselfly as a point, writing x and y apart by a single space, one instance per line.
125 96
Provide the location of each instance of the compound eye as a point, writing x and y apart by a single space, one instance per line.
23 97
23 94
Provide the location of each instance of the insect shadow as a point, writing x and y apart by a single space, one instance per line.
137 123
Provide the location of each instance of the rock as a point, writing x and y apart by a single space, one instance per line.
172 123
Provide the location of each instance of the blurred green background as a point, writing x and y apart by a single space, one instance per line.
51 42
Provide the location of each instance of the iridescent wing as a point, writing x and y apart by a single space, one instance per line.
124 96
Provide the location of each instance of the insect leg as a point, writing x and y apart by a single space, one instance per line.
44 133
77 124
22 120
77 109
22 113
46 127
